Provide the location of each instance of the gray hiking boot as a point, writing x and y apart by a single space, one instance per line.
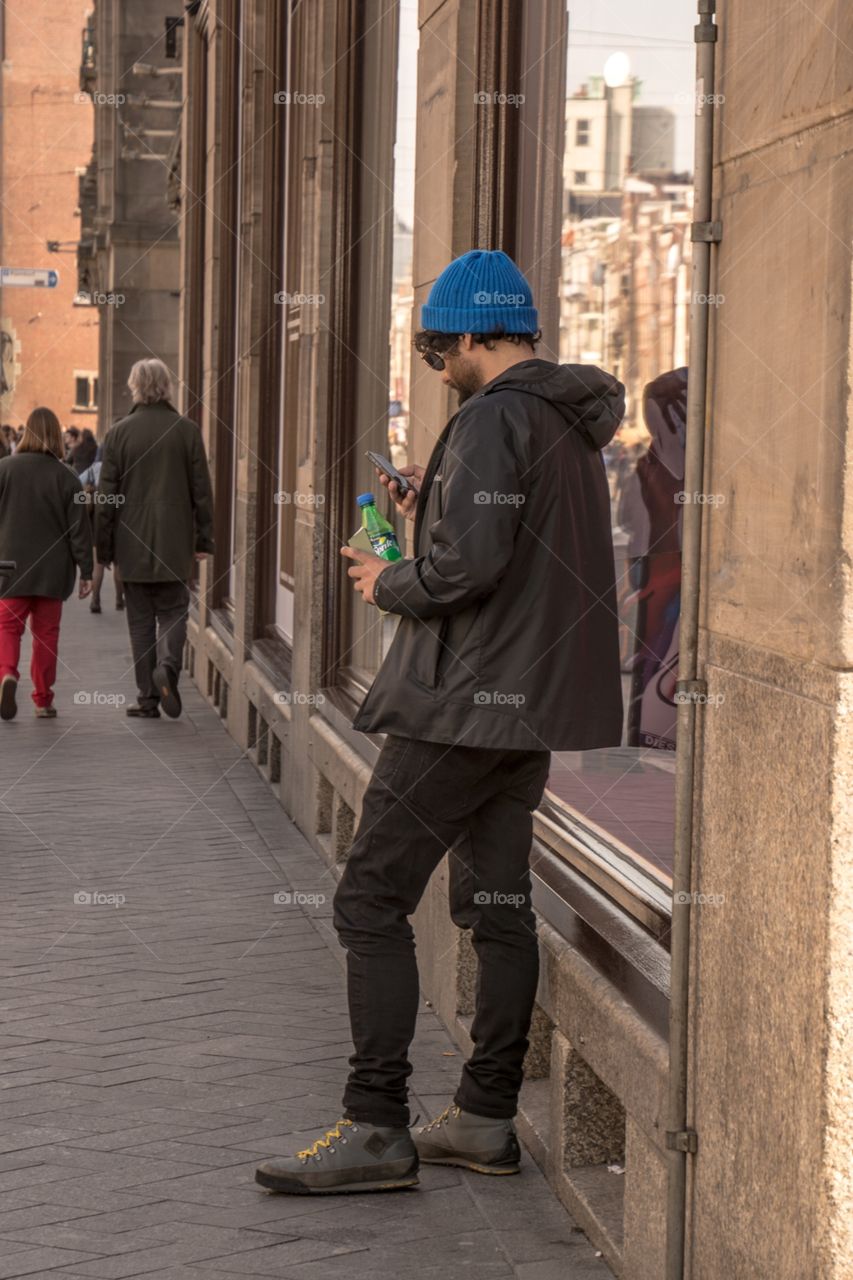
352 1156
472 1142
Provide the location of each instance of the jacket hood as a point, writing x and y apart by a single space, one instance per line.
589 399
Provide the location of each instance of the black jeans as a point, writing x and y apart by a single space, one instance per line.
157 622
423 799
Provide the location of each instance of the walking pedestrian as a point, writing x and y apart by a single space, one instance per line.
153 519
44 530
84 452
89 480
506 649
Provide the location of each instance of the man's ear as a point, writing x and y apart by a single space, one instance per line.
466 342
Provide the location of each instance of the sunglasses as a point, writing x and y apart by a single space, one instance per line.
433 359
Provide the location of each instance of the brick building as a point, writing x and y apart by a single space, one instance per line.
49 335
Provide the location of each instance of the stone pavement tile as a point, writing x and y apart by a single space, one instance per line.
155 1051
76 1235
38 1262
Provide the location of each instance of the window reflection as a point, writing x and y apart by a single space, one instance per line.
624 304
402 291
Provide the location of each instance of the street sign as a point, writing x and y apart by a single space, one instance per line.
28 277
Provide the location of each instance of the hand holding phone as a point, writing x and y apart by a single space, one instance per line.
403 485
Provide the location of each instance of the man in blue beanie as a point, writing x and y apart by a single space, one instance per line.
506 650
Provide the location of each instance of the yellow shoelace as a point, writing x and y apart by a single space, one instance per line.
325 1141
440 1119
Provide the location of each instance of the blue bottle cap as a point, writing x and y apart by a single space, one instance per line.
365 499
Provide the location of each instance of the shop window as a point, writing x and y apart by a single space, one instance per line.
636 254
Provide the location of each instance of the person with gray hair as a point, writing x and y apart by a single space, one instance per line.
154 519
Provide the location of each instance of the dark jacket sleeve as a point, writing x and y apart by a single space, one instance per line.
202 496
483 494
79 531
106 510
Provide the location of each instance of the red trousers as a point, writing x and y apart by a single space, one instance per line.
44 614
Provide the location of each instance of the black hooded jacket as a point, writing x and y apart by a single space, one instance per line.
508 634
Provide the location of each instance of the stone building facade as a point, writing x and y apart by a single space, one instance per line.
288 204
129 257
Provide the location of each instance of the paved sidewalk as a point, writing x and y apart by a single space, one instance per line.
167 1023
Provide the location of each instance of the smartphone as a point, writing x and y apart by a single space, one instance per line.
388 469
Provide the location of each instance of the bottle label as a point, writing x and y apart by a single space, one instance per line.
385 545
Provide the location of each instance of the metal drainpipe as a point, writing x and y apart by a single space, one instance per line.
704 233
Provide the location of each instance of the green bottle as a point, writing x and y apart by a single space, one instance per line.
382 537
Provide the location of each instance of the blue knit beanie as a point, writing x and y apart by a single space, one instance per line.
481 292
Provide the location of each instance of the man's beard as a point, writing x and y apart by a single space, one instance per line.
466 380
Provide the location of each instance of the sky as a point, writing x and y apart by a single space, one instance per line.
657 36
659 43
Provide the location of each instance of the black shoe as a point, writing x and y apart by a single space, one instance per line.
119 602
352 1156
167 687
8 704
472 1142
144 713
95 606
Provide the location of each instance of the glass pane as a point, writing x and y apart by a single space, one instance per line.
624 305
402 293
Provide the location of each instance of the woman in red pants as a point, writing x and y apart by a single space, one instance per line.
45 531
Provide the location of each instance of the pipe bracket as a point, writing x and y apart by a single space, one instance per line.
706 232
682 1140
